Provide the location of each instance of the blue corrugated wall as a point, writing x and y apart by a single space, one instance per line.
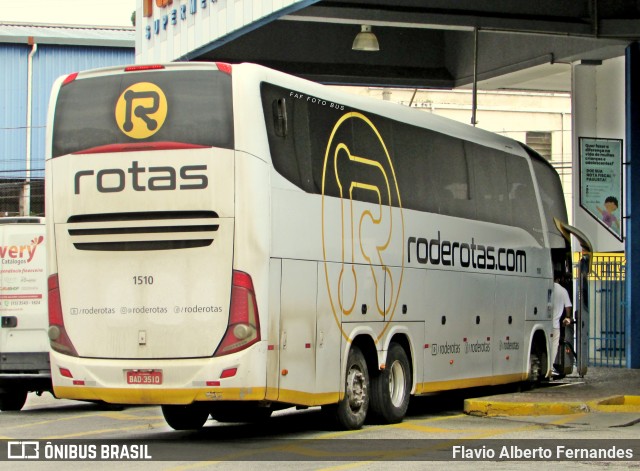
49 62
13 107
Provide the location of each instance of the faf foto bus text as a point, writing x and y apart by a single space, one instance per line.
316 101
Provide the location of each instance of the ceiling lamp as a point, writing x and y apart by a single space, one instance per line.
365 40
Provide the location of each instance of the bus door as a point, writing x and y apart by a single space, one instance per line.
583 313
297 336
581 302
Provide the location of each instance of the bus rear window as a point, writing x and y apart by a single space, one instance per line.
190 107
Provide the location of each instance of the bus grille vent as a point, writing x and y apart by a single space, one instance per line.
162 230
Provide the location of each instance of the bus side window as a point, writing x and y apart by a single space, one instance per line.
325 137
375 148
287 125
524 206
281 148
489 184
298 125
413 150
450 166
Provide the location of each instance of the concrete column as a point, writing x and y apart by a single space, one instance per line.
632 112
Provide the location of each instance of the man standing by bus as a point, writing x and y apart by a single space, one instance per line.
561 314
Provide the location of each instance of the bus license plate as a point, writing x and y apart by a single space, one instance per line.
144 377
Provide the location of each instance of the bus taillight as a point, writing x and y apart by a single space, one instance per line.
69 78
243 329
224 67
60 341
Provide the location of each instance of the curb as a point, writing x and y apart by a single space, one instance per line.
618 404
493 408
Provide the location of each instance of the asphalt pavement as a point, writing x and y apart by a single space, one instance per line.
601 390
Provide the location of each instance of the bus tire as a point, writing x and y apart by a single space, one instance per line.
189 417
351 411
13 401
391 387
536 374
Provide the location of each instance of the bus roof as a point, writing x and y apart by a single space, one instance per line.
257 73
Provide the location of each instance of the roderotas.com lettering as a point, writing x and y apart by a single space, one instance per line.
452 253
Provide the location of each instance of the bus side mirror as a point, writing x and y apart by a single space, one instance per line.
280 117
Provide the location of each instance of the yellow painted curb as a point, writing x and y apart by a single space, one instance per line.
498 408
483 407
617 404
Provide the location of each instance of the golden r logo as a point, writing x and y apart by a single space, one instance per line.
141 110
361 240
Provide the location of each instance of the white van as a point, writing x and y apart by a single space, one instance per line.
24 344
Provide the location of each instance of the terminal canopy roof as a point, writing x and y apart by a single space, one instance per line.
437 43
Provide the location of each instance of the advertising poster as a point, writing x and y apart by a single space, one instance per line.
23 273
601 181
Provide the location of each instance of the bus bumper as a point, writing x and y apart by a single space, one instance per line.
181 381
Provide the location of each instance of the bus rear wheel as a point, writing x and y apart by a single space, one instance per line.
12 401
351 412
537 359
390 388
189 417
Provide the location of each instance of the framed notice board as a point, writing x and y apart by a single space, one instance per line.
601 182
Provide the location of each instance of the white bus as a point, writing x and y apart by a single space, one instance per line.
228 240
24 345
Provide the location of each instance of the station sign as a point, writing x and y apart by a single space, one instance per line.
601 182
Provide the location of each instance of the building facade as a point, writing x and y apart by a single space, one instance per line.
32 56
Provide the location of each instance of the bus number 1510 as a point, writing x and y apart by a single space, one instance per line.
143 280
